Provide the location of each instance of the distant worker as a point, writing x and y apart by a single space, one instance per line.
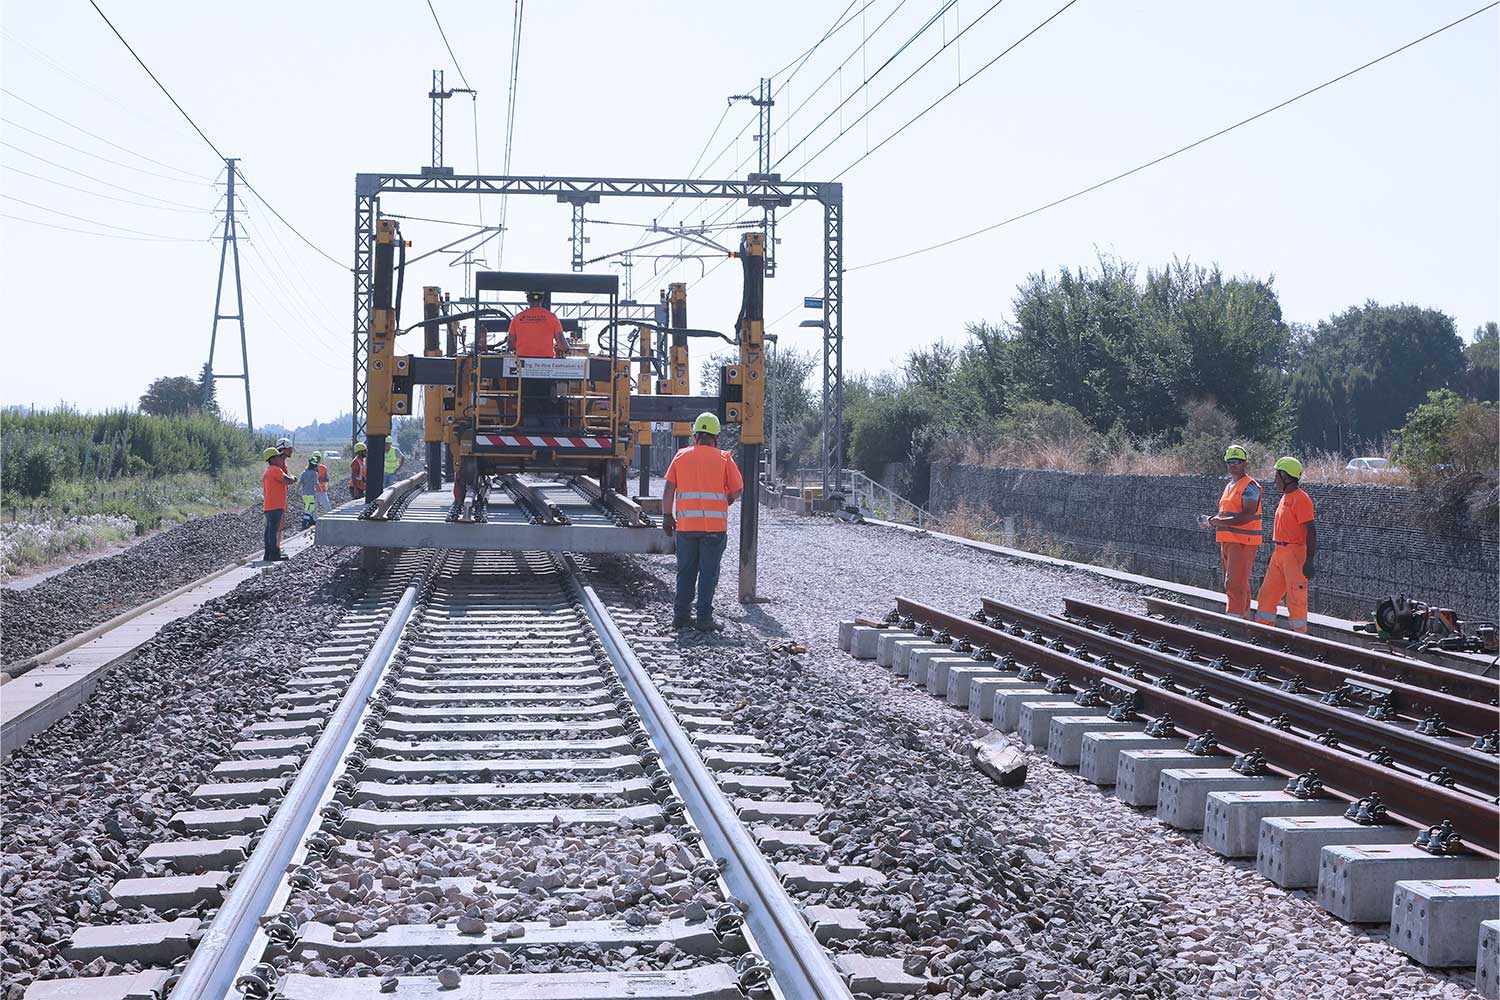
359 468
536 332
273 500
320 489
1237 529
1296 539
393 458
308 481
702 482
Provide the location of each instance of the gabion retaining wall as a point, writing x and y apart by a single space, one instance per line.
1369 537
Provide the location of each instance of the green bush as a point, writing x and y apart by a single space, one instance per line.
101 446
1422 448
1208 431
28 474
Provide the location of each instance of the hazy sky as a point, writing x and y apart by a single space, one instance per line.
1382 187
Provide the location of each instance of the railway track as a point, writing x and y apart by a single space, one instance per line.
1370 779
476 787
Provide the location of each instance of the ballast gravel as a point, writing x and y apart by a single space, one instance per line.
83 799
1055 889
62 606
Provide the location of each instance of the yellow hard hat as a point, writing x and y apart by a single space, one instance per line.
1234 453
269 454
360 447
706 423
1290 466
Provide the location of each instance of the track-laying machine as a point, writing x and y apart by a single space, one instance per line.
534 452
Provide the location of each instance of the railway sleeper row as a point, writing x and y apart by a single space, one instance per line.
1307 827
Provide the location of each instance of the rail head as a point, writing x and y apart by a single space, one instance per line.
799 962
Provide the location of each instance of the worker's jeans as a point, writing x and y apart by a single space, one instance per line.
1284 579
1237 560
273 528
698 556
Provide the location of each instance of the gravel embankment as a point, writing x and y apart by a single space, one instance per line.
1053 890
74 601
84 798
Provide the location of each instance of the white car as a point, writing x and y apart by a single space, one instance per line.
331 453
1371 464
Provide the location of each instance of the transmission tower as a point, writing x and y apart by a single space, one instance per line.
231 241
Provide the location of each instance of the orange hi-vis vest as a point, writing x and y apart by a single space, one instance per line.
703 477
357 473
1233 502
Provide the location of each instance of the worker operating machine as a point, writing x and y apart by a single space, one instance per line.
530 450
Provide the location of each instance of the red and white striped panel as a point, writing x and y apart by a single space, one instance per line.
537 441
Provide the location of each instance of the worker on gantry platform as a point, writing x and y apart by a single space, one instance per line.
702 482
536 332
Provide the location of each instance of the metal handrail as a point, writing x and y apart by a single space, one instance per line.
876 497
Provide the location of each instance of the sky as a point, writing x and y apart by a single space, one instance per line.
1382 187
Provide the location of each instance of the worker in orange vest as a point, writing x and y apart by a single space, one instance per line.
1237 529
536 332
358 470
1296 539
273 500
702 482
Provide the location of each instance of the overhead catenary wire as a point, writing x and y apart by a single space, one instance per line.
100 194
1176 152
510 117
166 204
92 222
189 119
93 135
79 149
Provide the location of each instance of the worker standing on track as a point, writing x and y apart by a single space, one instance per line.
393 458
1237 529
284 446
702 482
308 481
359 468
320 489
1296 539
536 332
273 500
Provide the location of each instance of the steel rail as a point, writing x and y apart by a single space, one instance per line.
1421 673
211 971
800 964
1469 767
1472 718
1411 800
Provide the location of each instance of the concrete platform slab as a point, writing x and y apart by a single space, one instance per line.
1138 777
1065 735
1437 921
1356 883
1182 799
1232 819
1099 753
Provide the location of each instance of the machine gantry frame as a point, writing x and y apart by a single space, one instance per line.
766 191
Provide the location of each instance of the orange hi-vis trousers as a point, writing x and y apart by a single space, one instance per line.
1284 581
1237 559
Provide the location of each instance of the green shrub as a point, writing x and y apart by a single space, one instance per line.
1422 447
28 474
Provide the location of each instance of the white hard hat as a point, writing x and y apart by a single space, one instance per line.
283 442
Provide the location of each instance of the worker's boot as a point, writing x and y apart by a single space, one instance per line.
280 556
270 553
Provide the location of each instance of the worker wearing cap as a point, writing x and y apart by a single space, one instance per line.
308 482
702 482
320 488
1296 539
359 468
273 500
536 332
1237 529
